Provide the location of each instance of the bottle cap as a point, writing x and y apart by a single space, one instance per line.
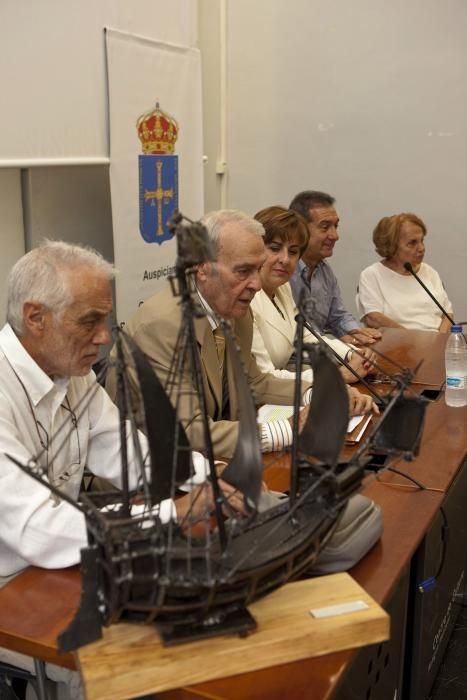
456 329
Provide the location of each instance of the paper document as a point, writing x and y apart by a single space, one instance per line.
353 422
355 435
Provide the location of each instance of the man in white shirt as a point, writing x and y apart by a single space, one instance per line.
59 300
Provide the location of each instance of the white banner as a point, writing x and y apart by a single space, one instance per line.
141 73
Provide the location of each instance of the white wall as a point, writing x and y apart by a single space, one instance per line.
366 100
68 203
53 72
210 40
11 231
54 108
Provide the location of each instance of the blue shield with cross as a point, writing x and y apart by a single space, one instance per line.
158 195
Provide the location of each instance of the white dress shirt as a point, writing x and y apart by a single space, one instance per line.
35 526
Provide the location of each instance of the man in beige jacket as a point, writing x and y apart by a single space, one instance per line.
225 289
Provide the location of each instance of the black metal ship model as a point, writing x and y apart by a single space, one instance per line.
195 576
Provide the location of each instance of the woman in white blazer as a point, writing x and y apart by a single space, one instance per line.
274 310
274 313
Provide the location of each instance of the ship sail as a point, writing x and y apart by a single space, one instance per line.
323 435
245 470
169 449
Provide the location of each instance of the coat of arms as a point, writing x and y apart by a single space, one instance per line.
158 174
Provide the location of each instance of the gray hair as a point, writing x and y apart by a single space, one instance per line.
40 276
215 221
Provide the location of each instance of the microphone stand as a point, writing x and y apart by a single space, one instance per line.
409 268
409 407
379 399
402 379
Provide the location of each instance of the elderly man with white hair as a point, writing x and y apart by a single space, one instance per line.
225 289
59 300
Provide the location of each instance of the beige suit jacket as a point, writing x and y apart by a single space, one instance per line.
155 328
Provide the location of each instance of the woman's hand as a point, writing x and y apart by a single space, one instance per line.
360 403
362 362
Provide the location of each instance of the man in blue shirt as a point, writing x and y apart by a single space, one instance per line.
316 277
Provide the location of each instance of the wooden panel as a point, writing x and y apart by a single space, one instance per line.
408 347
406 517
315 679
35 607
443 447
286 632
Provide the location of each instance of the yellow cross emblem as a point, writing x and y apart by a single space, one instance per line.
158 195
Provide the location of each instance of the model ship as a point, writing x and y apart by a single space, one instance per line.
196 576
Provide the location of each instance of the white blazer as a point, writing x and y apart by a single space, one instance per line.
273 335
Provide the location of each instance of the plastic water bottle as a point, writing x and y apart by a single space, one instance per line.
456 368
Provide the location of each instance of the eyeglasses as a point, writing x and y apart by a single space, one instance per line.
74 466
44 441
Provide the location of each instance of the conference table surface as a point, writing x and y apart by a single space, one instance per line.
38 604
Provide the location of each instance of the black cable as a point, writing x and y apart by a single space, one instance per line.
408 477
430 582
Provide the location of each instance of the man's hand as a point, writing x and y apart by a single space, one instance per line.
234 500
360 403
362 362
363 336
194 506
302 416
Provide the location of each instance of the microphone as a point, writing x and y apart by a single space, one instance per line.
409 268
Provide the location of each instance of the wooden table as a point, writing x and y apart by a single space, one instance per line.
408 515
407 348
38 604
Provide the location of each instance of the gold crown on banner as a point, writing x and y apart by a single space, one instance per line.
157 131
